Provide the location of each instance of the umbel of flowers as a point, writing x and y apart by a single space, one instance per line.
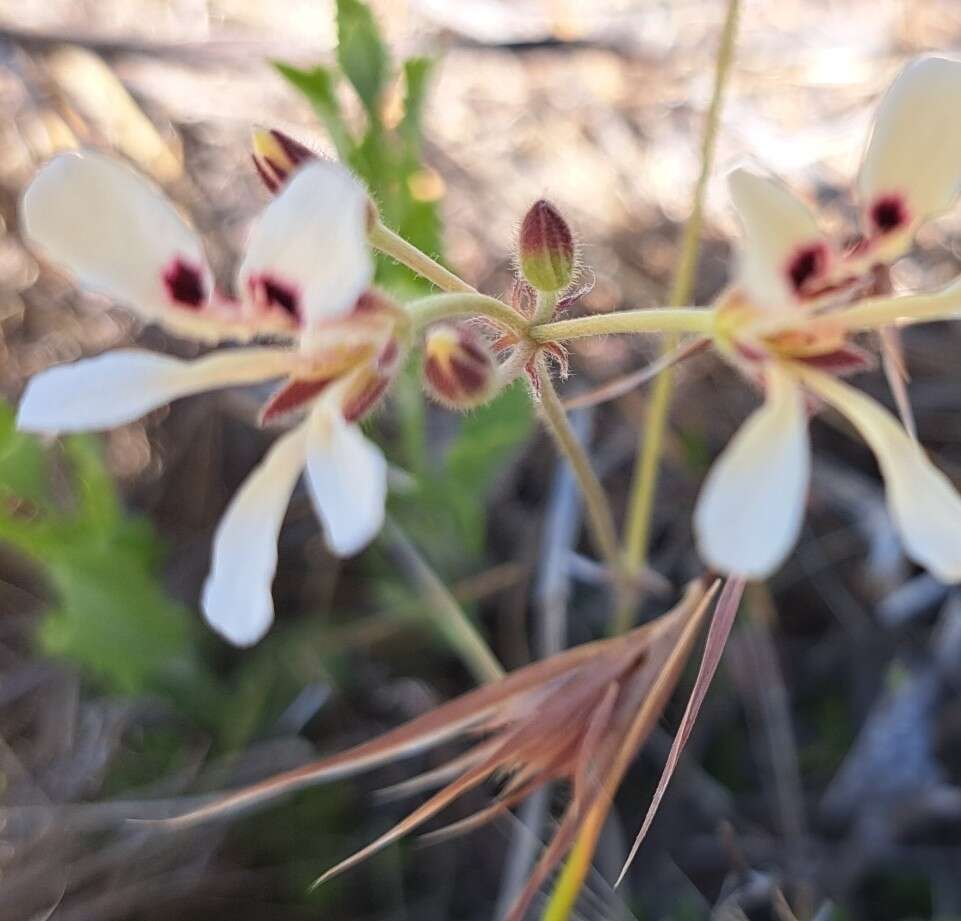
788 322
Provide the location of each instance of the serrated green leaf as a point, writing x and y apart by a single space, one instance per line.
361 53
113 616
319 85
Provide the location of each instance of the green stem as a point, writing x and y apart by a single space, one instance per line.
655 320
427 310
876 312
442 607
599 515
650 447
392 244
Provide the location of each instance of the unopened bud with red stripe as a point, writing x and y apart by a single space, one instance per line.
276 156
459 367
546 251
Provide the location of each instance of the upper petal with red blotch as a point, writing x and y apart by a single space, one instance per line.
308 255
783 255
117 233
912 164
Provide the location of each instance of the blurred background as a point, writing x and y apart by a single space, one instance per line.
822 777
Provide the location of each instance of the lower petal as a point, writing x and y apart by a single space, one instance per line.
237 600
924 505
118 387
347 478
750 510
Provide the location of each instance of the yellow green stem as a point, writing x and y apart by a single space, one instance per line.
427 310
655 320
392 244
651 443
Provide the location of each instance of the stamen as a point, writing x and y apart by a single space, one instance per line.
888 213
185 284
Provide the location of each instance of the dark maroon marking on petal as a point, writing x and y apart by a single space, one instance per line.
292 395
806 264
272 184
267 292
434 372
888 213
296 152
185 284
362 402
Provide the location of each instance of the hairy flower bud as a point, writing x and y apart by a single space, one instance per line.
459 368
546 248
276 156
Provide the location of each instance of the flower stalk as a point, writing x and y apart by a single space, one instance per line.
394 245
443 609
598 509
436 307
637 533
655 320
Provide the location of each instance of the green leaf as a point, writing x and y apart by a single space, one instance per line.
23 468
361 53
319 85
113 616
487 438
417 73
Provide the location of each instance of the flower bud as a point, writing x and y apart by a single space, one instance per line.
546 248
459 368
276 156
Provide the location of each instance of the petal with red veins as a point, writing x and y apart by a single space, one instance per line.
120 386
237 600
117 234
308 254
347 479
783 254
924 505
750 510
912 164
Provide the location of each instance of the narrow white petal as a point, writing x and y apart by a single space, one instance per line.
751 507
117 234
914 154
118 387
237 600
782 244
308 253
347 478
924 505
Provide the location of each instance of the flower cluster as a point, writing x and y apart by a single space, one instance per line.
788 322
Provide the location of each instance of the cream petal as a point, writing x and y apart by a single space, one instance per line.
783 251
120 386
116 233
237 600
924 505
751 507
308 254
347 478
912 164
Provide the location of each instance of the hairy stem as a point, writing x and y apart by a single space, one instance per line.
637 533
655 320
598 509
392 244
442 608
427 310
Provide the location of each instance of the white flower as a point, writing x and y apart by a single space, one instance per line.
788 319
305 278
